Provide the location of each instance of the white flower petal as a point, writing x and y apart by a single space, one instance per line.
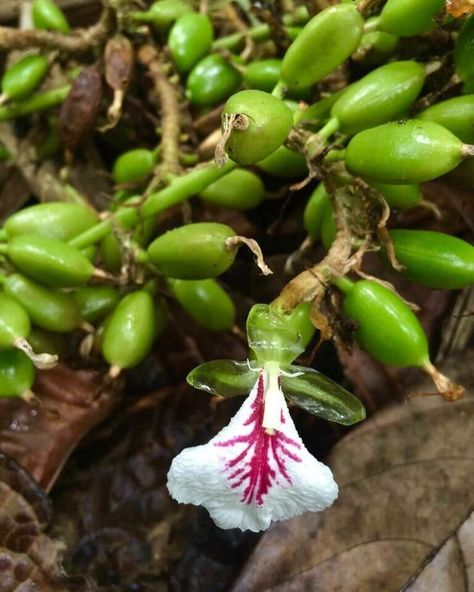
246 478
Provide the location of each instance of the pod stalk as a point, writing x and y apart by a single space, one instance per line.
41 361
372 25
329 129
447 388
181 189
344 284
114 372
467 151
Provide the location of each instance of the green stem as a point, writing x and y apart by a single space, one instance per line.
319 111
335 155
257 33
38 102
142 17
279 89
371 25
260 32
3 249
181 189
344 284
329 128
3 234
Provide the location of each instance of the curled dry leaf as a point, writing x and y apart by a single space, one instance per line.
41 437
406 487
80 110
29 560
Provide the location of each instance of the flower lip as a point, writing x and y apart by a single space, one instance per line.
256 469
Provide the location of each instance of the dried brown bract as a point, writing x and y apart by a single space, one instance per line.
119 61
81 108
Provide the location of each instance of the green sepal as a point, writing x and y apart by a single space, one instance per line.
321 396
271 337
225 378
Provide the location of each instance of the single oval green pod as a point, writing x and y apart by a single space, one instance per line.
328 226
263 74
314 212
47 15
110 253
193 252
404 152
95 302
239 190
49 261
50 145
269 123
49 309
464 50
456 115
109 248
387 328
211 81
14 321
375 46
163 14
58 220
434 259
190 39
207 302
399 197
318 112
406 18
299 319
90 252
24 76
284 164
324 44
17 373
129 333
133 166
384 94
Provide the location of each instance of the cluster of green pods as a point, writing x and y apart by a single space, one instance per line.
51 287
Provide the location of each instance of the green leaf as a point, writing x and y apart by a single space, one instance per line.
223 377
321 396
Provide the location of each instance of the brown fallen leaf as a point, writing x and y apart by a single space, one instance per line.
29 560
450 568
406 482
41 437
112 508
